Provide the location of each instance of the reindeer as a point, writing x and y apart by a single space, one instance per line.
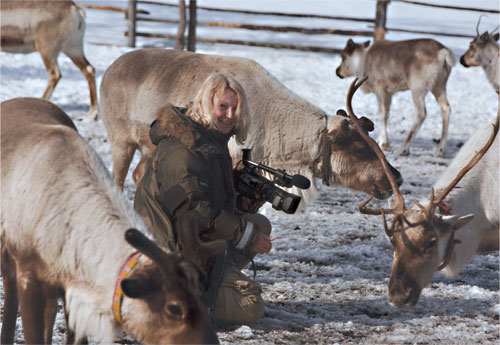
49 27
68 231
467 222
286 131
420 65
484 51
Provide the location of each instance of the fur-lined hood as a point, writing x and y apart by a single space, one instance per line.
172 123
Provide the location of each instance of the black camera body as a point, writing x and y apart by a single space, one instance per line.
250 183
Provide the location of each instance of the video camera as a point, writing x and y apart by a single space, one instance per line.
253 185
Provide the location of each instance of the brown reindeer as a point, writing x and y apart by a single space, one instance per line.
68 231
286 131
484 51
49 27
426 241
419 65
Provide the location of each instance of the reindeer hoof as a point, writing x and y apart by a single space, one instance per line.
92 115
384 145
440 152
403 151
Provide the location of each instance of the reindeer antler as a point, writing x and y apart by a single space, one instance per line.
479 21
479 154
400 204
165 261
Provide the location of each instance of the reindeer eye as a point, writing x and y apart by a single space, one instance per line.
174 310
432 243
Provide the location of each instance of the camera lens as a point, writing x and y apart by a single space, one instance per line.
290 204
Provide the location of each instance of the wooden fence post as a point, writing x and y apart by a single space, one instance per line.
191 46
380 18
132 4
179 43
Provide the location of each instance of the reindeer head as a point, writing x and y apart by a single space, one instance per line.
422 240
423 243
353 162
353 56
163 304
473 56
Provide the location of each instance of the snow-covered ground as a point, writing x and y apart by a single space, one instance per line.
325 281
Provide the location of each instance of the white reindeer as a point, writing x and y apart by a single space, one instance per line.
286 131
484 51
420 65
467 222
49 27
66 230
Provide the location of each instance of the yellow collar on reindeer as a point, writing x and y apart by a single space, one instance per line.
118 293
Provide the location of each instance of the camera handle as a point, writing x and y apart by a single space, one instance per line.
284 179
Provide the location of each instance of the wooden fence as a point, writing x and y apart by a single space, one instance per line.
377 25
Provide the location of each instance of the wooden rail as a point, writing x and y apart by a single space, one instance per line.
449 7
109 8
248 43
430 33
312 31
306 31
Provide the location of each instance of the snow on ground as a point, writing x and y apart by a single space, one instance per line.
325 281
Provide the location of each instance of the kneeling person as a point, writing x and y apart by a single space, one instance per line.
191 174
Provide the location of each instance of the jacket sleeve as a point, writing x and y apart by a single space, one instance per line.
185 187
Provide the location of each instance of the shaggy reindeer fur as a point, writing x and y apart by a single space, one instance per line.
63 224
478 194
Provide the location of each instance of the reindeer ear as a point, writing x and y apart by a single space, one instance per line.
350 46
456 222
366 44
367 124
485 36
495 36
137 288
341 112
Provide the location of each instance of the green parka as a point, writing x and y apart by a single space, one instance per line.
190 172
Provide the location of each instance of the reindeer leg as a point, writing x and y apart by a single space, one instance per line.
32 303
421 113
49 318
384 105
70 335
444 106
122 154
89 72
50 62
140 169
11 304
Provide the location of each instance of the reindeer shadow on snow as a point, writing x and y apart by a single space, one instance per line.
298 316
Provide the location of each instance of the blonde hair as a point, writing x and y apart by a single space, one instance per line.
202 108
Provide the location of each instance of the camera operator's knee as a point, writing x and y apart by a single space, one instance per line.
260 221
239 300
